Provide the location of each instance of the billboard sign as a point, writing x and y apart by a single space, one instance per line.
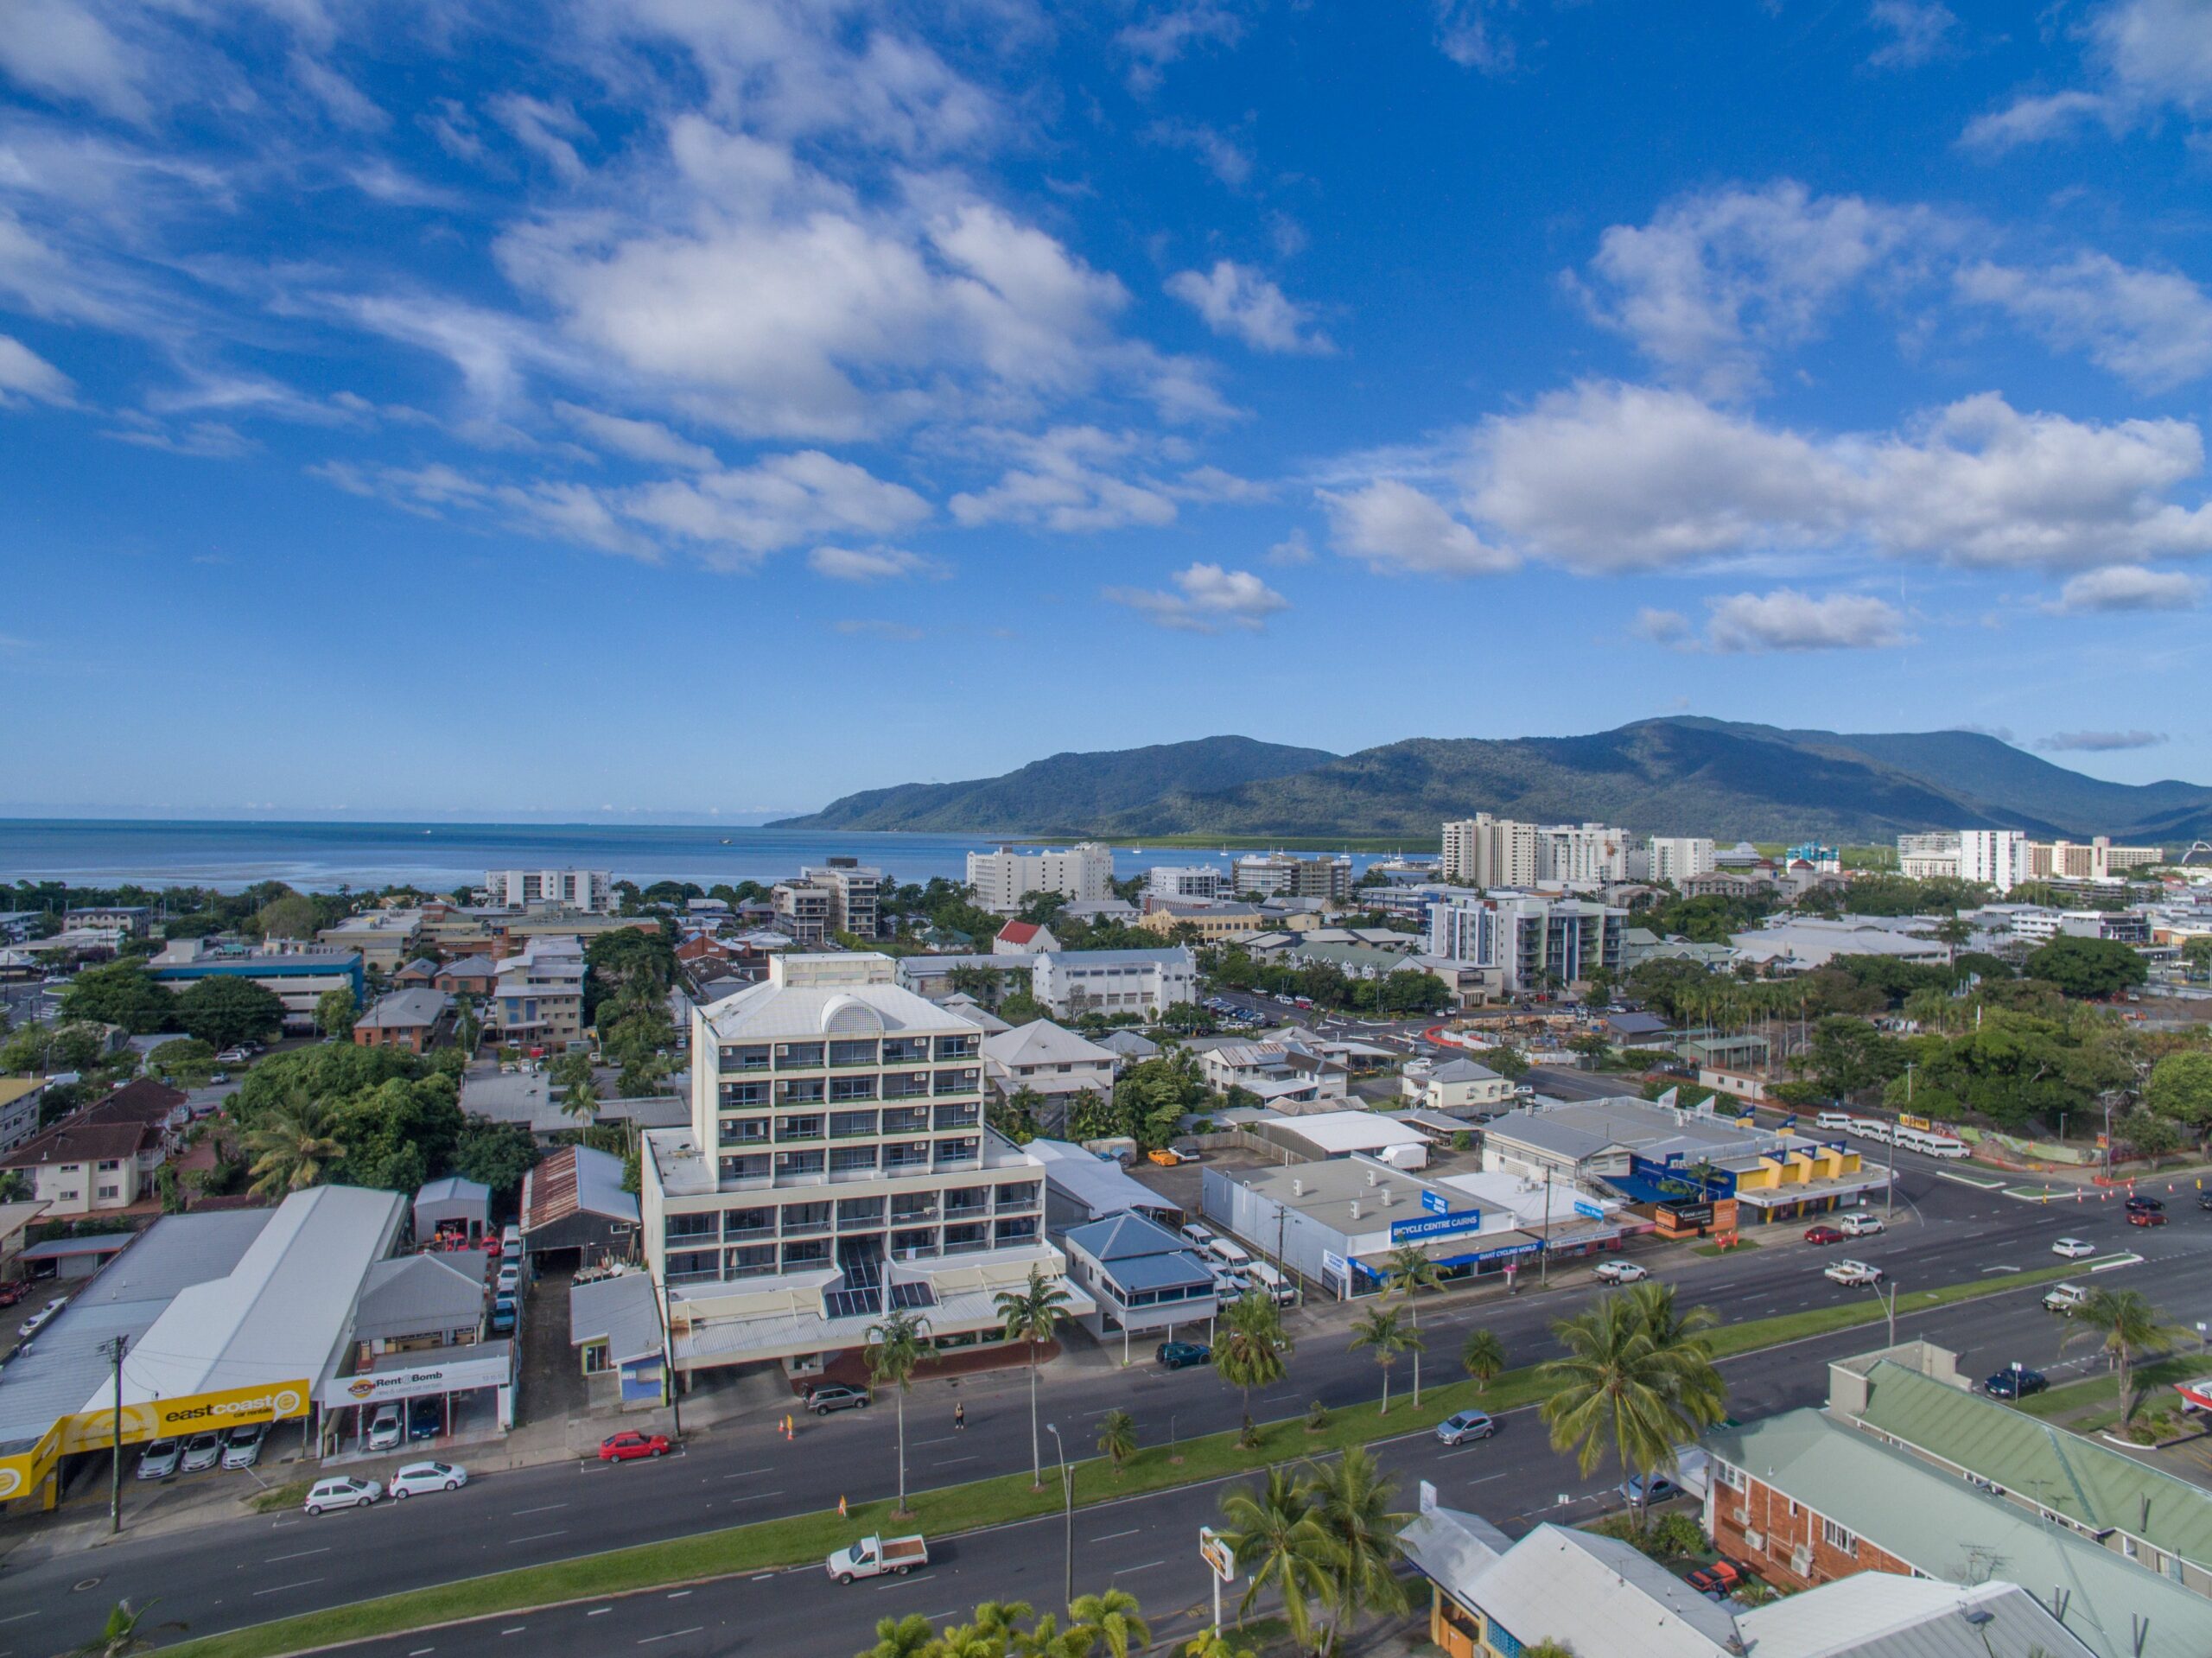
1437 1226
1433 1202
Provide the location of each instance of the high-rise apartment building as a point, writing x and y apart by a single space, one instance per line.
1679 858
590 890
836 1165
1996 858
1002 878
1930 856
1483 851
2095 860
855 889
1533 942
1187 881
1588 853
1278 874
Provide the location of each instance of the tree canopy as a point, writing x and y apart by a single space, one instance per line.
226 1009
2088 967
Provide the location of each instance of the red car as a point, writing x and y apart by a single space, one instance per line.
2145 1217
1723 1576
1823 1235
628 1447
11 1293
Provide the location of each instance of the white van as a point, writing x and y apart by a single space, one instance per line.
1198 1237
1871 1128
1280 1288
1234 1255
1833 1119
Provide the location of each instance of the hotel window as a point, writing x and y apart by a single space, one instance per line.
1838 1539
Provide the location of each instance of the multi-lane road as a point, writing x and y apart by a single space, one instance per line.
224 1574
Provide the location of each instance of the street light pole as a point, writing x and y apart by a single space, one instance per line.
1067 1494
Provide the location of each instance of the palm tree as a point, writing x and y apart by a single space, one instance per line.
1117 1439
899 1345
293 1149
901 1637
1111 1619
1407 1270
1252 1350
1634 1375
1032 1314
2123 1323
581 1099
1483 1357
1279 1540
1351 1498
1213 1643
1548 1650
119 1636
1680 1337
1003 1618
1384 1331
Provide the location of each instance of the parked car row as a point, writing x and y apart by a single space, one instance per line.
238 1448
349 1491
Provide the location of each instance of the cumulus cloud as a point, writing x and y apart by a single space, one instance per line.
736 514
1715 282
1919 30
870 564
23 372
1468 33
2098 742
1207 599
1235 300
2152 327
1065 480
1606 478
1293 548
2141 57
638 439
2128 587
1787 619
1391 526
1661 627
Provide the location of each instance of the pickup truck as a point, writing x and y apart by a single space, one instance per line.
873 1556
2066 1298
1854 1273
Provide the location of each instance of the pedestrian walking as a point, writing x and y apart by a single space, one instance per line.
960 1417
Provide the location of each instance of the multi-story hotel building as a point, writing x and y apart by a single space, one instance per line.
836 1165
1002 878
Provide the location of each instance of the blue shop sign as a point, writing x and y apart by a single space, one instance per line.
1437 1226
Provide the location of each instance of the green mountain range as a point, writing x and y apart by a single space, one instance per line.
1663 776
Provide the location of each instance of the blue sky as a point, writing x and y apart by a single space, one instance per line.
688 405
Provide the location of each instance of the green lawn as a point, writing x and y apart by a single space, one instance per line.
2105 1389
807 1538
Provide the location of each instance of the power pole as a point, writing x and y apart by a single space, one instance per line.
114 1349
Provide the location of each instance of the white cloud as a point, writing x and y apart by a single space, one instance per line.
1919 30
380 180
1235 300
1393 527
1787 619
1661 627
1208 599
1060 482
640 439
2152 327
869 564
1294 548
737 516
24 373
1715 282
545 129
1607 478
1467 33
65 51
1168 32
2098 742
2142 56
1224 156
2128 587
2032 120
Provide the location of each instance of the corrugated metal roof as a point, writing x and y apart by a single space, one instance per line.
416 1294
1100 1187
1883 1615
576 1180
621 1311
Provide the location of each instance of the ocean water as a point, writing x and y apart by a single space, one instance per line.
323 856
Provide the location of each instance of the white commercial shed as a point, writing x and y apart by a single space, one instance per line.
1326 1135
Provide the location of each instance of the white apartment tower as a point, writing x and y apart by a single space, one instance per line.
1996 858
836 1166
1483 851
1187 881
1679 858
1587 853
1002 878
590 890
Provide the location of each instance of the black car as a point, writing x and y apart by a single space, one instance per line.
823 1401
2015 1384
2147 1205
2205 1201
1173 1356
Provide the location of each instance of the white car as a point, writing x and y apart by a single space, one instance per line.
202 1450
2073 1249
428 1477
387 1428
159 1459
509 1277
1856 1273
341 1493
1620 1272
243 1447
1859 1223
42 1318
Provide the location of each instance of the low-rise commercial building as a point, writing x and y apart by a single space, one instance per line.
1142 1278
1801 943
1073 982
299 975
575 1211
1211 921
1458 1088
615 1323
1081 1186
384 939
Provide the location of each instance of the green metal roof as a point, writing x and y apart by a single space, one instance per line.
2085 1480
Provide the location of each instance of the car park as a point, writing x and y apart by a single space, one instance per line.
202 1453
344 1492
242 1448
1465 1426
2015 1383
420 1477
1859 1223
2073 1249
1722 1578
386 1428
1824 1234
159 1459
1198 1237
2145 1217
1619 1272
632 1446
1856 1273
1176 1355
823 1399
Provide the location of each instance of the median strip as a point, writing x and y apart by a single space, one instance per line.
802 1540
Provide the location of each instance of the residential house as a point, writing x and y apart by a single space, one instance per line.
472 975
103 1157
409 1019
1023 938
1458 1088
1047 1059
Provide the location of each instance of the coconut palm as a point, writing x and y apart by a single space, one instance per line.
1351 1499
581 1100
1615 1388
1213 1643
293 1149
1281 1545
1483 1357
1407 1270
901 1637
1033 1313
1003 1618
1117 1439
2123 1323
898 1346
1383 1331
125 1632
1252 1351
1680 1337
1109 1620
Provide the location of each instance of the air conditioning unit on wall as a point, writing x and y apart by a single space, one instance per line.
1756 1541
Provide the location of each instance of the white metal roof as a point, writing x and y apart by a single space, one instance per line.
1353 1131
1041 1042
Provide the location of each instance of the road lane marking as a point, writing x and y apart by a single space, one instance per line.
544 1507
277 1560
949 1461
517 1629
18 1617
535 1537
756 1497
648 1640
599 1611
678 1594
1111 1536
1146 1566
419 1652
278 1589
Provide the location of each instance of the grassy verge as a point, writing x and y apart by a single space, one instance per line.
1735 1248
807 1538
2105 1389
289 1496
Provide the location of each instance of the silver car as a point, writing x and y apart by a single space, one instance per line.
159 1459
201 1452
